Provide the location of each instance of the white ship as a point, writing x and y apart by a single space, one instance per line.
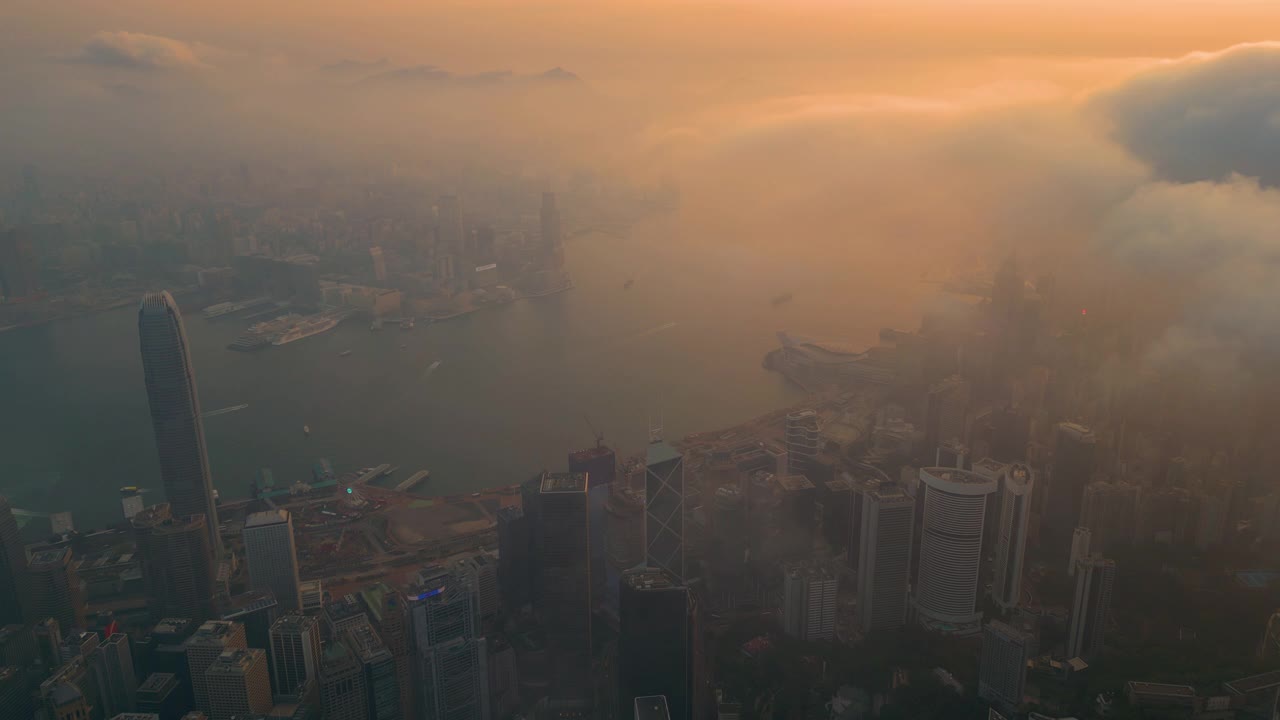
305 329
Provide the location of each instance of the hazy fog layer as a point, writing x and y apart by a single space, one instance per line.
1123 147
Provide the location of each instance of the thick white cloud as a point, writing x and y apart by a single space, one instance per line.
138 51
1205 116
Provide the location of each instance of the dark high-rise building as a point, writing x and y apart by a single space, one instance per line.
55 588
295 652
256 610
237 684
651 707
203 650
564 542
13 568
161 694
664 508
600 465
111 665
655 654
175 413
19 266
15 696
552 236
391 615
343 694
451 676
272 556
382 689
1002 675
1072 468
837 506
884 558
1010 435
1095 579
176 563
514 549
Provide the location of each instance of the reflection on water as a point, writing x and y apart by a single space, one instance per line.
507 399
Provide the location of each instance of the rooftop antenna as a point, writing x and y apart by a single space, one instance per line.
599 435
655 431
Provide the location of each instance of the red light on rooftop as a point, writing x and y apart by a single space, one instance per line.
1084 311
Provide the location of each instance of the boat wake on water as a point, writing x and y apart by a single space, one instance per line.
646 333
225 410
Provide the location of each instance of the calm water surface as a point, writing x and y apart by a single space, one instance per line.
508 399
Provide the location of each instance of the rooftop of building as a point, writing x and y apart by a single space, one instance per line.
172 626
810 571
248 603
588 454
795 483
659 452
957 481
366 643
157 682
1254 683
889 493
213 632
234 662
265 518
648 579
1081 432
293 623
652 707
988 466
54 557
7 673
1165 689
838 485
563 483
342 608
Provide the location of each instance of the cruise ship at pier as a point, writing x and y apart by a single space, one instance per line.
306 328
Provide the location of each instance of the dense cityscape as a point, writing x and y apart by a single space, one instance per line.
1048 496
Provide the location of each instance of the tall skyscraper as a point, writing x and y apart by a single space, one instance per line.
809 602
175 413
451 675
295 652
804 440
237 684
1073 464
379 263
382 690
393 627
1079 548
176 564
203 649
600 465
343 694
13 568
884 564
111 665
564 543
1110 511
655 630
55 589
664 508
1002 675
161 694
552 237
515 540
1095 579
951 543
1017 482
272 556
449 222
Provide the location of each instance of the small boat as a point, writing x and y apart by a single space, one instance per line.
782 299
433 365
406 324
375 325
627 285
344 353
404 347
306 430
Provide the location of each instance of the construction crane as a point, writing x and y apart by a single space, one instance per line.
598 435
